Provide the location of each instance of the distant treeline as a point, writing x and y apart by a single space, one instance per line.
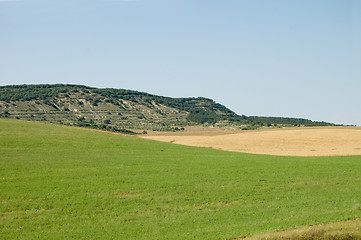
286 120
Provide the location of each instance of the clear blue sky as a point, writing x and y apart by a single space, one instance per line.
290 58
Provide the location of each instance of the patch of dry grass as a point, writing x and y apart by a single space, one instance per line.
350 229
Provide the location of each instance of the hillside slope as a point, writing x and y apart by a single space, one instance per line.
115 109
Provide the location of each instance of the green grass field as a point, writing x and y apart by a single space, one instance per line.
60 182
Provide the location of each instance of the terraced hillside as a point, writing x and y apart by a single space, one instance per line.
115 109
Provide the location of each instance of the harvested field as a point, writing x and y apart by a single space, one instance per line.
318 141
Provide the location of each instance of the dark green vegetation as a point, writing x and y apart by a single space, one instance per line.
59 182
119 109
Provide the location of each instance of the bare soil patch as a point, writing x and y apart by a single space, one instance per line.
317 141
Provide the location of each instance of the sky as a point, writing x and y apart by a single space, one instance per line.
286 58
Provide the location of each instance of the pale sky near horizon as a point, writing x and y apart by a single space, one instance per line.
287 58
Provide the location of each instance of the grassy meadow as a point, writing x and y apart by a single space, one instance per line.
60 182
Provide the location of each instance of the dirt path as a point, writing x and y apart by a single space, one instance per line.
320 141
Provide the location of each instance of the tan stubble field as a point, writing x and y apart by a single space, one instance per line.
307 141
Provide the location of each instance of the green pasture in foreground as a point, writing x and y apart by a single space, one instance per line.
60 182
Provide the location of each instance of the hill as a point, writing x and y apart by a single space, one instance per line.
119 109
60 182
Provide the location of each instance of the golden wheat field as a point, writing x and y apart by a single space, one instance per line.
310 141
